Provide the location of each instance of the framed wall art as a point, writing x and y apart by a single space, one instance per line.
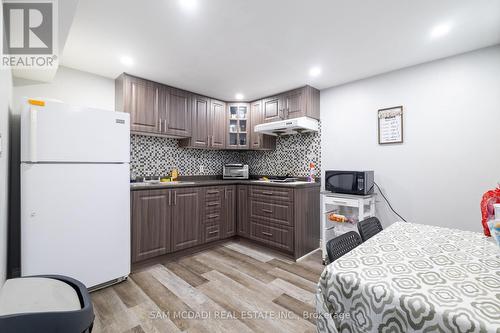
390 125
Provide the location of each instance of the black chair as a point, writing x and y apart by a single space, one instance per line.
342 244
369 228
76 319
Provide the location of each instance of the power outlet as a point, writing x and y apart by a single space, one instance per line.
202 169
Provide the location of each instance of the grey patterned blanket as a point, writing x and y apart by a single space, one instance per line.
413 278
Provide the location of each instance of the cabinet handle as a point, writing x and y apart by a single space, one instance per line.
165 125
175 198
267 233
213 232
267 193
212 204
160 123
267 210
339 203
212 192
212 216
169 198
225 193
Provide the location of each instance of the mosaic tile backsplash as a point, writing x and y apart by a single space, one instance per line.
152 156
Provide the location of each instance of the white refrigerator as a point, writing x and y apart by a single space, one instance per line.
75 192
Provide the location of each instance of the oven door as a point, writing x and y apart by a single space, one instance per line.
341 181
234 173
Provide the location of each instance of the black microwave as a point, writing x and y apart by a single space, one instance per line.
349 182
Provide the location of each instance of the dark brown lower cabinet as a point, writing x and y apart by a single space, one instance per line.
229 222
164 221
279 237
284 218
151 224
242 211
219 217
170 220
185 206
213 214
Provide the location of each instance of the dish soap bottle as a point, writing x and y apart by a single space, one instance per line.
310 178
174 174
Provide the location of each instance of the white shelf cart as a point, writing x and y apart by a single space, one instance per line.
355 207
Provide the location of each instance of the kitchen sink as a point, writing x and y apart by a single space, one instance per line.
295 182
161 184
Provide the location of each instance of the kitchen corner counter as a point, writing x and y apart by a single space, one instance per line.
218 182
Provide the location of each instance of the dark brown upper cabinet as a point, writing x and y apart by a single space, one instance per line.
259 141
294 103
175 112
216 124
272 109
238 126
200 114
140 98
208 123
155 109
202 122
301 102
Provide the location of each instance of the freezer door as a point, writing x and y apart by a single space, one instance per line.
75 221
57 132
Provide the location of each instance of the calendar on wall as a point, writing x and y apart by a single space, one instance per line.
390 125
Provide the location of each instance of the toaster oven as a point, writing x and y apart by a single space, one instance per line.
235 171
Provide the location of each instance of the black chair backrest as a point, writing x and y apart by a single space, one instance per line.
342 244
369 228
72 321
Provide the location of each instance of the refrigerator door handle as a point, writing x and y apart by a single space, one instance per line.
33 134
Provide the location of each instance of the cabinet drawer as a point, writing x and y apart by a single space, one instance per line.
213 198
281 238
213 205
213 192
271 193
212 233
212 217
273 212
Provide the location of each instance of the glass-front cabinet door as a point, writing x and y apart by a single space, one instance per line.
238 122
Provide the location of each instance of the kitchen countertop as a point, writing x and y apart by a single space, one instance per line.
216 182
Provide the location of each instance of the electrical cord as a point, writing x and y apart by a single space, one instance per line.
388 203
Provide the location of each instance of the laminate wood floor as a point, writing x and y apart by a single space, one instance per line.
233 287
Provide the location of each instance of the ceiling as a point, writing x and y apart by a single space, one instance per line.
261 47
65 11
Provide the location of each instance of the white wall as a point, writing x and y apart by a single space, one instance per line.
450 155
5 100
70 86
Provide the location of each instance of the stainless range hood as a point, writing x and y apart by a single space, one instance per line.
289 126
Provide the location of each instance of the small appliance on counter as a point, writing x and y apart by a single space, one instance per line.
349 182
235 171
